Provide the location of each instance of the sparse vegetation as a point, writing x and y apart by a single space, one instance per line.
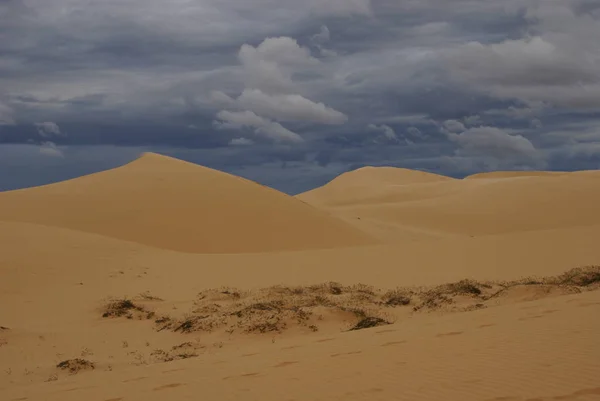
276 309
74 366
369 322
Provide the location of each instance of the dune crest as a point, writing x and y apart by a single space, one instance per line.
172 204
368 183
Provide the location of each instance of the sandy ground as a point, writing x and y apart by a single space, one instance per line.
235 291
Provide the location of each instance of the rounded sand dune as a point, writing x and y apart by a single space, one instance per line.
168 203
507 202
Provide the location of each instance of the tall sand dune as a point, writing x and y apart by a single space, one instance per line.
168 203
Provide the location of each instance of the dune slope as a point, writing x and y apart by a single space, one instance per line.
491 204
171 204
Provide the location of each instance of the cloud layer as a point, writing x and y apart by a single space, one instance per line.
307 89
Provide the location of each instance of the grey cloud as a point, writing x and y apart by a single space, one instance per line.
495 143
323 36
341 8
241 142
50 149
303 80
48 129
6 115
454 126
387 133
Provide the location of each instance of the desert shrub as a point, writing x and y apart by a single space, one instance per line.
464 287
76 365
396 298
581 276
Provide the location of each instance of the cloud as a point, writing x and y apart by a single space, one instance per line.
48 129
341 8
551 63
50 149
6 115
454 126
495 143
473 121
269 94
387 133
270 65
319 40
241 142
220 99
322 37
291 107
285 69
262 127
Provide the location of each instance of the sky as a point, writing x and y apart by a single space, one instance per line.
292 93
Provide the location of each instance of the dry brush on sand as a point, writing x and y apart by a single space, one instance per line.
280 308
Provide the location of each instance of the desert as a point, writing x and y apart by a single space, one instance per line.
165 279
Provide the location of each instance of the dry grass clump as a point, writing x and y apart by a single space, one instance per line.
581 277
126 307
397 297
369 322
182 351
74 366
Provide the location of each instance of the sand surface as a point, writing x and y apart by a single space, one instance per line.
237 292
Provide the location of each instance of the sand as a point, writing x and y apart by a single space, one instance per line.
231 292
172 204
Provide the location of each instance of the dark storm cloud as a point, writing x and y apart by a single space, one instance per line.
273 89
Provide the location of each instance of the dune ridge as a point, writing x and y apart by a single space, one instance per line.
168 203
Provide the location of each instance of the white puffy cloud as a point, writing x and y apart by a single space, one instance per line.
291 107
270 66
270 95
48 129
494 142
262 127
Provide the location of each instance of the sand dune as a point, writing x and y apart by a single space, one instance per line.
163 279
168 203
502 203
